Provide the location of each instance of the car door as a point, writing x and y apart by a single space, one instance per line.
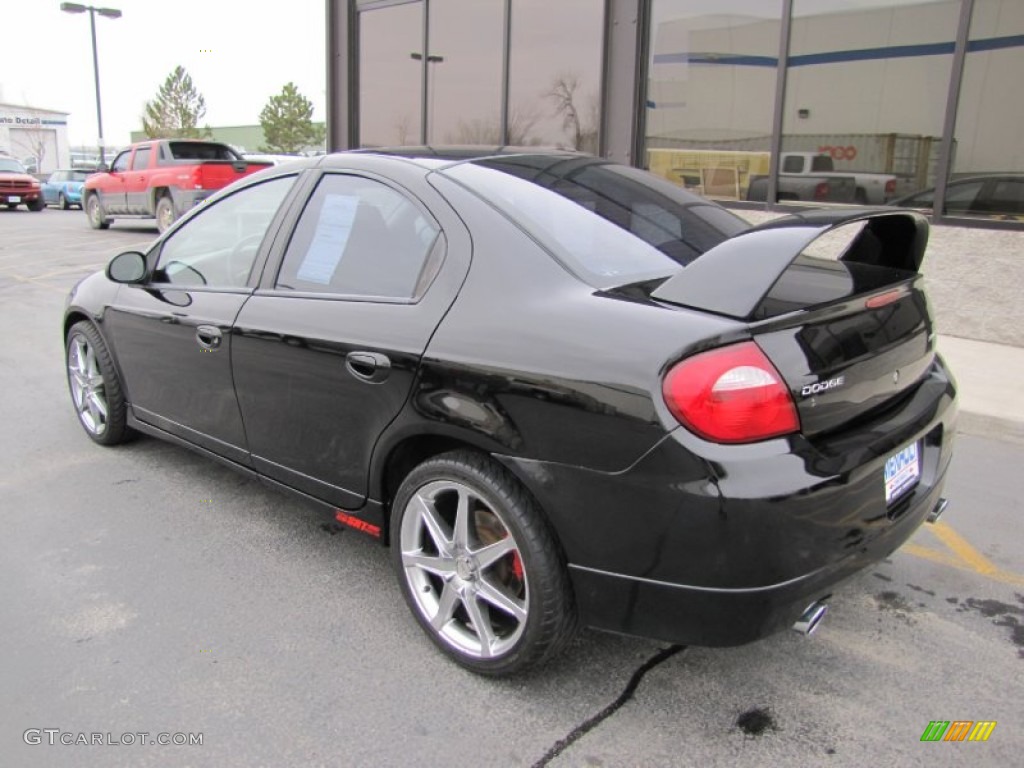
136 185
52 186
111 187
326 351
172 333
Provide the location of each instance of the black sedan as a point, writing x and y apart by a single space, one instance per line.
996 195
563 391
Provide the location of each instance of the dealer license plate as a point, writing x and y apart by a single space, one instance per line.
13 199
902 471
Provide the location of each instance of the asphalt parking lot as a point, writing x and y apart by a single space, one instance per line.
146 590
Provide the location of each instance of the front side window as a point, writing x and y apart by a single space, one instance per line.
359 237
56 176
218 246
120 162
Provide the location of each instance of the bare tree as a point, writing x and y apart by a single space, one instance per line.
403 127
34 140
582 129
488 131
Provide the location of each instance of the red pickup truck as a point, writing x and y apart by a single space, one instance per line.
161 179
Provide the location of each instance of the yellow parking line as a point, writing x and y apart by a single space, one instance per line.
964 556
30 281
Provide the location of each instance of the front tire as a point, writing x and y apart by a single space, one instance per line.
36 205
95 387
97 216
62 202
478 566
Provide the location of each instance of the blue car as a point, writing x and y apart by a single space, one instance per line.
64 188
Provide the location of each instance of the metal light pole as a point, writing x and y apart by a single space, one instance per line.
110 13
431 59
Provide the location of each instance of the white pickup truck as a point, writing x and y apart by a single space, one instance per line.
872 188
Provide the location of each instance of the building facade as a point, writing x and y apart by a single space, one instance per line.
36 137
712 94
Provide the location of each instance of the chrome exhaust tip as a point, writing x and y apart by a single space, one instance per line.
937 510
811 618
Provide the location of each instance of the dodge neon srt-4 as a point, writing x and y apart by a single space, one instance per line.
562 391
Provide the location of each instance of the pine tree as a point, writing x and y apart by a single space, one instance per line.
177 109
287 122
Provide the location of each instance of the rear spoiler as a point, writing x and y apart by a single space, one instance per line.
734 277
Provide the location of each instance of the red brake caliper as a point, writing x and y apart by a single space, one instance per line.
517 566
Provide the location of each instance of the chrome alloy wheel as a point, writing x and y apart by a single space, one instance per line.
464 569
87 391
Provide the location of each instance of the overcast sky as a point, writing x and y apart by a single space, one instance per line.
238 54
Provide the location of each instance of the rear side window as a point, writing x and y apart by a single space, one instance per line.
608 224
792 164
359 237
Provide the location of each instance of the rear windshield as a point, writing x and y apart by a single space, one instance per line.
608 224
198 150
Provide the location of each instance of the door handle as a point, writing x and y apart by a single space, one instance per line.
208 336
372 367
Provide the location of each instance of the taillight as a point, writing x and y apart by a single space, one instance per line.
890 187
821 190
731 395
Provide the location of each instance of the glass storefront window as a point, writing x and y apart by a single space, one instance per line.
865 100
710 94
555 73
390 79
988 158
464 71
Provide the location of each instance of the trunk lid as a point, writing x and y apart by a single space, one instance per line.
834 299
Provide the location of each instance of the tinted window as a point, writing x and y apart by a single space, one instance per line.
609 224
358 237
141 159
120 162
201 150
960 197
792 164
1008 197
217 247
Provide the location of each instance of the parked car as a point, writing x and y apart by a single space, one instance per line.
161 180
562 390
870 188
998 195
817 189
18 187
64 188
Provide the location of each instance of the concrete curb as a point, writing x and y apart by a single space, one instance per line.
989 378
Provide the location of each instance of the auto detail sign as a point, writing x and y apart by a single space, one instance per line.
958 730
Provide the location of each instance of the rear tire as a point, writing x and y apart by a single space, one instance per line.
165 213
94 210
860 197
95 387
478 566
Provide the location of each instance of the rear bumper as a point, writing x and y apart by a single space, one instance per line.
720 545
185 199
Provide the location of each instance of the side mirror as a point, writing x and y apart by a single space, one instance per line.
127 267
